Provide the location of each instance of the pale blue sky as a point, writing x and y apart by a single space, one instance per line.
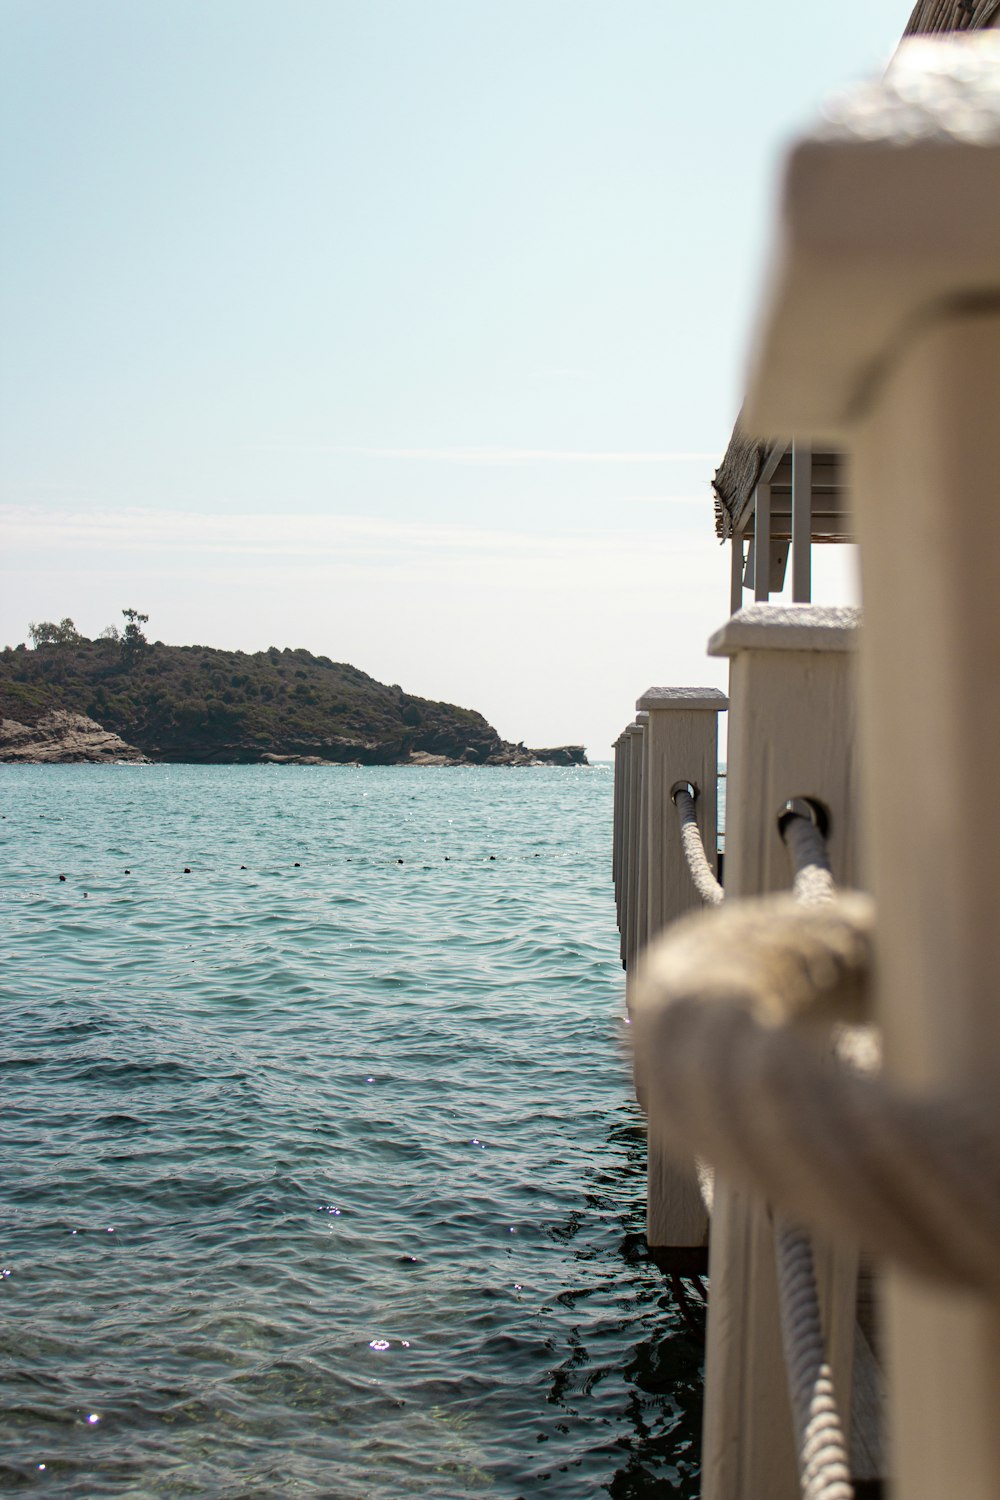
410 332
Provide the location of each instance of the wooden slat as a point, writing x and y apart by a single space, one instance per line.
828 487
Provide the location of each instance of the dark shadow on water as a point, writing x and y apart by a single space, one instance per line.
661 1323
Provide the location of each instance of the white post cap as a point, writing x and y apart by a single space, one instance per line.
889 215
658 699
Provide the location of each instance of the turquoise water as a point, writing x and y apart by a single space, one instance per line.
322 1175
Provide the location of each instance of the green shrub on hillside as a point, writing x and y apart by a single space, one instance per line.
196 703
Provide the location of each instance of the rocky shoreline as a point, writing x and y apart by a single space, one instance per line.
61 737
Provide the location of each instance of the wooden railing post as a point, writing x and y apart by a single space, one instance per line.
902 296
791 734
681 744
639 936
624 837
616 837
925 466
630 926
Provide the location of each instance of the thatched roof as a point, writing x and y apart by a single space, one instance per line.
951 15
736 480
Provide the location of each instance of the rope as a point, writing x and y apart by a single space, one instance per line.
712 894
913 1179
704 881
806 845
824 1465
823 1461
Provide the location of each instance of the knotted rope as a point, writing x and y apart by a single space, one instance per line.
704 881
913 1179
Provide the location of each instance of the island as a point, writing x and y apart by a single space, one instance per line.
123 698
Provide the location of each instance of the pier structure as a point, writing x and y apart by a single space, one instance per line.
774 501
807 1107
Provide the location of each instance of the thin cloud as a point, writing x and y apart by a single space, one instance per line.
493 457
345 539
561 372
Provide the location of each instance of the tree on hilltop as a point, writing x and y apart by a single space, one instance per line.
133 643
47 634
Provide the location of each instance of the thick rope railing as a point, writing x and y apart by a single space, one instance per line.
711 894
823 1456
824 1465
702 876
911 1178
798 823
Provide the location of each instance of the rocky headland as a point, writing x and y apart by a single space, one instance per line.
88 701
63 737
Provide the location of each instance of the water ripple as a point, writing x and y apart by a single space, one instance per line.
322 1175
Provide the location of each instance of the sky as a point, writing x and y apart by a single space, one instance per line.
408 331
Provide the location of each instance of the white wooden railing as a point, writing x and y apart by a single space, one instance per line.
880 334
674 739
792 734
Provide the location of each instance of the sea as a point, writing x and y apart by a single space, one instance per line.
321 1169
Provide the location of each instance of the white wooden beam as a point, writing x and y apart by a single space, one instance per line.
801 523
736 572
772 462
762 543
791 734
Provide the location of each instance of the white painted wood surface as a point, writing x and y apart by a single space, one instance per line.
642 882
681 744
925 480
762 542
902 295
914 155
735 573
619 838
616 795
791 734
802 511
635 734
621 834
624 873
